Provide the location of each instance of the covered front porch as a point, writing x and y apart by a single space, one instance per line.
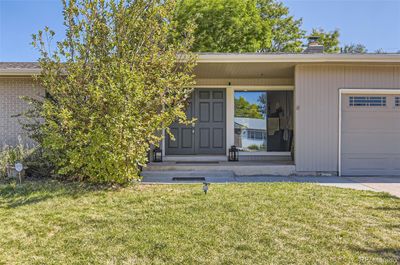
249 105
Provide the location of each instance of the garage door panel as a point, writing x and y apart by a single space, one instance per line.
381 143
370 138
363 172
368 164
360 161
388 121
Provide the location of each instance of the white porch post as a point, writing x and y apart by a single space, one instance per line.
163 143
230 112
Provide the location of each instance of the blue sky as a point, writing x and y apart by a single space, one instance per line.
376 23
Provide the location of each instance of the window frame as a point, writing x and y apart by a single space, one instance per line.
367 101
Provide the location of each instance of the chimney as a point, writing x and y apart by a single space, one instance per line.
314 46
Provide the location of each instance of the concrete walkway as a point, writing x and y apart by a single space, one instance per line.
390 185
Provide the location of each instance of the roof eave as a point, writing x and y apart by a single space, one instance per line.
298 58
258 58
20 72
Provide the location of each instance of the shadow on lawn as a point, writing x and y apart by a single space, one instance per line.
382 195
383 254
386 208
13 195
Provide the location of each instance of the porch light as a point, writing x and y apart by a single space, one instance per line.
233 154
157 155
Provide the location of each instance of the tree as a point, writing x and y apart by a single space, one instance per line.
354 48
117 79
286 32
224 25
330 39
380 50
247 26
244 109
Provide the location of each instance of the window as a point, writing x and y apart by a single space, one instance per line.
250 120
263 121
255 135
362 101
397 101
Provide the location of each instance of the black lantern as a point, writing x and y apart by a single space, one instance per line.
233 154
157 155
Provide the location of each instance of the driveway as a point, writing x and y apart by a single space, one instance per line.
390 185
387 184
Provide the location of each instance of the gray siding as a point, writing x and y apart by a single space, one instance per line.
317 108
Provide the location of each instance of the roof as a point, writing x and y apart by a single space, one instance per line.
32 68
19 68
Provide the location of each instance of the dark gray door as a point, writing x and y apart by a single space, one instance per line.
207 136
184 135
210 124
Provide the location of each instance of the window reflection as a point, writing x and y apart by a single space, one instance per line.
263 120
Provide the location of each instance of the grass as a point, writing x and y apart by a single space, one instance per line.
50 222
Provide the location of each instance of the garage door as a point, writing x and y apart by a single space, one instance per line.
370 135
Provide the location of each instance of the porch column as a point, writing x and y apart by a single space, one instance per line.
230 112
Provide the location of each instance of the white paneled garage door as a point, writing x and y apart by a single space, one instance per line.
370 137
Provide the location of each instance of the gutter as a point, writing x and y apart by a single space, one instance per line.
297 58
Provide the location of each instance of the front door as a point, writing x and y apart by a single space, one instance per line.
207 135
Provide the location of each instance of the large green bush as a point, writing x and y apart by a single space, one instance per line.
117 79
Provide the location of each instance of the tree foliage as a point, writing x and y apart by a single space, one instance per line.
224 25
354 48
329 39
286 32
245 109
118 78
247 26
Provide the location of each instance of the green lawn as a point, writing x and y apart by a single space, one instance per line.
49 222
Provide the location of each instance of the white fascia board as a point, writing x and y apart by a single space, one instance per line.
368 91
298 58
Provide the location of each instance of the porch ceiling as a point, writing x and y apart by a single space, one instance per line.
245 70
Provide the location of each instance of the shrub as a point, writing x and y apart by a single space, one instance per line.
32 158
9 155
253 147
118 78
38 166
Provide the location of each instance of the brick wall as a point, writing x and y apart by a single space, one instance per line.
11 89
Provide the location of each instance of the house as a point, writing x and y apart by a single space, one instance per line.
250 134
327 113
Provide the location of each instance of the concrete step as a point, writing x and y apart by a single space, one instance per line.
188 176
244 168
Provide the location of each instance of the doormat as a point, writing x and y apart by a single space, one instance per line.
197 162
188 179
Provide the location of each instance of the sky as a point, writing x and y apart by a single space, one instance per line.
374 23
